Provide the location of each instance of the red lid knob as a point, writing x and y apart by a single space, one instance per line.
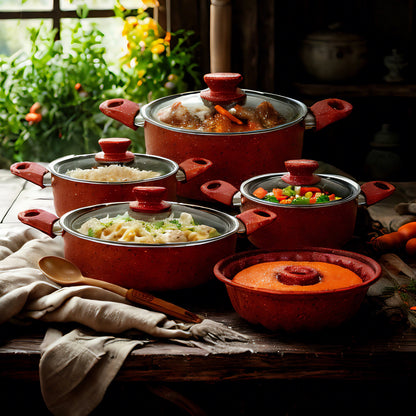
114 150
300 172
298 275
222 89
149 199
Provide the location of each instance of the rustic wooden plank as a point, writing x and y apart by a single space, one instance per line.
30 197
10 187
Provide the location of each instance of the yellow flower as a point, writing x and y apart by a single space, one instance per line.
149 3
139 82
157 49
141 73
132 20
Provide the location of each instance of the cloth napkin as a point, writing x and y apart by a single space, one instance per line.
76 367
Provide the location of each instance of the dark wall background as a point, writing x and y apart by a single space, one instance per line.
266 38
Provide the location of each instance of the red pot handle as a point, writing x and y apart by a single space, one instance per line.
219 191
375 191
40 219
330 110
114 150
31 171
194 167
122 110
256 218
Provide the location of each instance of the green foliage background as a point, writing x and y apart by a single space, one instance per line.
71 120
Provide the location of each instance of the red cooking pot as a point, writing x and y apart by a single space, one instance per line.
70 193
146 266
296 310
302 223
237 152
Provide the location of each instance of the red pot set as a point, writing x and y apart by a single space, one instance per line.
228 145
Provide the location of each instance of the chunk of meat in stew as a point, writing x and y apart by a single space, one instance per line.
179 115
269 117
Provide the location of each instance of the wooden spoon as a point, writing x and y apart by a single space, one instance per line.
66 273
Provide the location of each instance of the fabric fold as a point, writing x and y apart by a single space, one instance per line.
77 367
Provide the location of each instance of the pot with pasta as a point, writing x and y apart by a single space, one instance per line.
109 175
148 244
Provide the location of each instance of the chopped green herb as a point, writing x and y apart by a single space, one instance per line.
288 191
301 200
322 198
158 224
270 198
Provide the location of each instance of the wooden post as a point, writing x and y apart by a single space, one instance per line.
220 35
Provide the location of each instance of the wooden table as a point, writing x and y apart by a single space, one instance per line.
369 360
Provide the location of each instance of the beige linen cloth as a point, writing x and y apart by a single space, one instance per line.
76 368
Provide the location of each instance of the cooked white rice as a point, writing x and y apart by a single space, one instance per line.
112 173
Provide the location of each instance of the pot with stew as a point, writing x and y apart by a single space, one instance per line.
108 176
307 289
149 244
312 210
244 133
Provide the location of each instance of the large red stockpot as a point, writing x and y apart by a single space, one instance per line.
296 310
329 224
148 267
70 193
237 156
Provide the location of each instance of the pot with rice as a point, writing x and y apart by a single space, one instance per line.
107 176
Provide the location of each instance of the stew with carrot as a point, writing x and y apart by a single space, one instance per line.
221 120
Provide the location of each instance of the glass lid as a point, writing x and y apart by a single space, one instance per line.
150 220
224 108
299 186
114 164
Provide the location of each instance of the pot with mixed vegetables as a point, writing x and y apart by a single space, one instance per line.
312 210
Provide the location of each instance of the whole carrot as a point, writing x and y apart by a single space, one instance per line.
408 230
396 239
389 241
411 247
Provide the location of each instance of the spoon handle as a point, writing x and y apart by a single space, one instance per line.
162 306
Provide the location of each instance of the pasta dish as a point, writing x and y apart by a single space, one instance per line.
128 229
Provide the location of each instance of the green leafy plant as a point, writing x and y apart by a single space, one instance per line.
66 88
157 63
49 98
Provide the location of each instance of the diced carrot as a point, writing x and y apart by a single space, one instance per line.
331 197
278 194
287 200
226 113
260 193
